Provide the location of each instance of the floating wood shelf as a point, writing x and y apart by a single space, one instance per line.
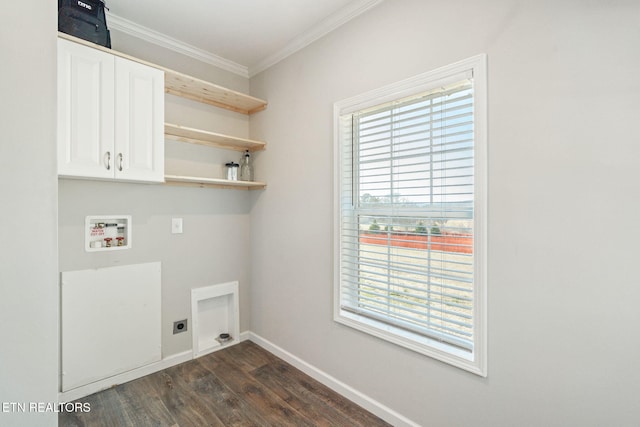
195 89
193 181
189 87
211 139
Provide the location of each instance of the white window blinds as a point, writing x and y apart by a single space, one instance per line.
407 202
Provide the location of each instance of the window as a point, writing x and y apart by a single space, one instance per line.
410 200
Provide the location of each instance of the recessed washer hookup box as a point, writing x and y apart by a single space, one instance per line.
107 232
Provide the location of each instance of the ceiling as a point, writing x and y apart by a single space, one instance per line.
242 36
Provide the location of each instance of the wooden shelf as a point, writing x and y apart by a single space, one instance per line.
195 89
189 87
211 139
194 181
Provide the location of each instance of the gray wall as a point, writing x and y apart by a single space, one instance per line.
214 247
211 250
28 253
563 207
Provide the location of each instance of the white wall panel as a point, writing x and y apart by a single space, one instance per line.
110 321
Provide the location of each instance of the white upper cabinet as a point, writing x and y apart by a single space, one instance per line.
110 116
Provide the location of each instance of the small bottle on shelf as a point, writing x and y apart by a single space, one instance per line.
246 168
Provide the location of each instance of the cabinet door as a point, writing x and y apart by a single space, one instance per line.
139 122
85 111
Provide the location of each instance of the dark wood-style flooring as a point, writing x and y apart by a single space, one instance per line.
242 385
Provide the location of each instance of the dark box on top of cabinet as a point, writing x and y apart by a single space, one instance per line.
84 19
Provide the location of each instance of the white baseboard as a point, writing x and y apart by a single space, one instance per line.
124 377
244 336
371 405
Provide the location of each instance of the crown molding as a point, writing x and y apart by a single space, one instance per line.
332 22
121 24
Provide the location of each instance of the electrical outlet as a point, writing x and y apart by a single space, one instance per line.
176 225
179 326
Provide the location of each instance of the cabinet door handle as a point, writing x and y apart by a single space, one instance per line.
107 160
120 162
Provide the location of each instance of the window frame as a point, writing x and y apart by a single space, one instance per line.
474 361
